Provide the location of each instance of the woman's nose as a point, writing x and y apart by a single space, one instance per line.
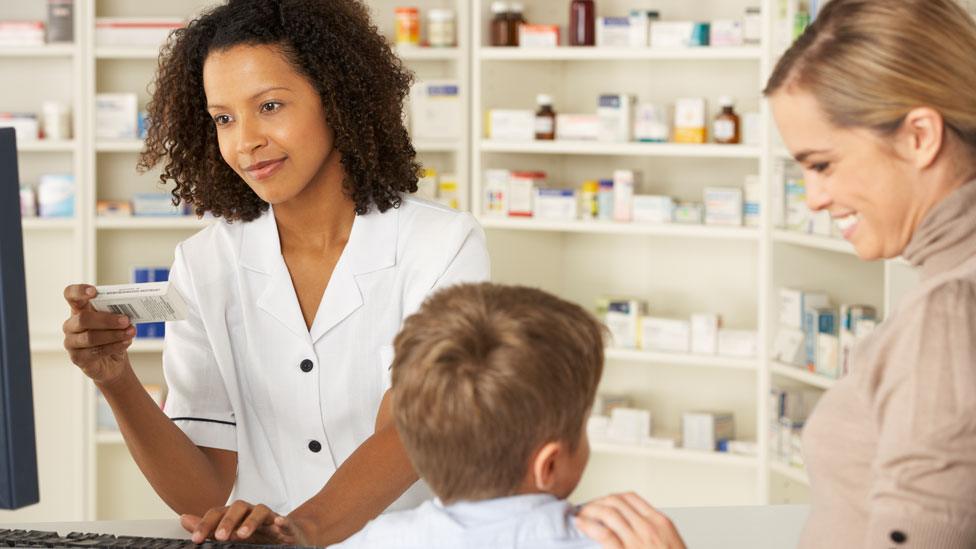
817 197
250 136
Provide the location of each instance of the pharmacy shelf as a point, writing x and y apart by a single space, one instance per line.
791 472
47 146
675 454
437 146
428 54
109 438
682 359
818 242
798 374
47 344
127 145
126 52
613 228
161 222
53 224
671 150
48 50
620 54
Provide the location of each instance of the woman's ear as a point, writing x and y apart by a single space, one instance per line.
922 136
544 466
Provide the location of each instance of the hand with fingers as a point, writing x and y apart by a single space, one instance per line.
626 521
242 521
96 341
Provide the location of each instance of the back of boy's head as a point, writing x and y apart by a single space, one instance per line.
484 375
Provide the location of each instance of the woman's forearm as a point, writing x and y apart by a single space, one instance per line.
373 477
188 479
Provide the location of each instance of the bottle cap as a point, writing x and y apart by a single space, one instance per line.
517 7
543 99
726 101
499 7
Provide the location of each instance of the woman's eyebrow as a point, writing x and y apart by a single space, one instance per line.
258 94
803 155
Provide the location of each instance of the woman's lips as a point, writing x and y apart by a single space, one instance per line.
264 170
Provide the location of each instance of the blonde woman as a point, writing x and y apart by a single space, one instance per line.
876 102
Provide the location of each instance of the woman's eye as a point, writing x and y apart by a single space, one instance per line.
270 106
221 119
820 167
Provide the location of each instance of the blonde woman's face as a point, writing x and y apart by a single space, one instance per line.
851 173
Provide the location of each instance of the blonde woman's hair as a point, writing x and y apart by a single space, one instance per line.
869 62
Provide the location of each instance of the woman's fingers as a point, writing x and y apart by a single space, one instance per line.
259 516
84 321
599 533
79 295
208 523
231 520
97 338
190 522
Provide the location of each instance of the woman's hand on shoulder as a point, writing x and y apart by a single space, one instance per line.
242 521
626 521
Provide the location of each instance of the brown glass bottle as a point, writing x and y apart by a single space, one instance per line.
545 119
727 125
582 23
515 18
500 29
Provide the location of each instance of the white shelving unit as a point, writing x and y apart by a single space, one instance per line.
681 359
618 54
664 150
677 454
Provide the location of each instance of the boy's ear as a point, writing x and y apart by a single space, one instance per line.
544 466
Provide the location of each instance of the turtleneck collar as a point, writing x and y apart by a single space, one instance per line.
947 236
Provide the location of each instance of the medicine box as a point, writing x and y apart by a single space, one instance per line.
578 127
141 275
723 206
56 195
651 124
28 201
690 121
816 320
665 334
679 34
555 204
538 36
689 213
788 346
706 430
704 333
726 33
496 193
131 31
116 116
512 125
113 208
613 32
653 209
155 204
427 184
616 113
435 110
624 183
623 321
797 212
630 425
521 192
25 125
793 302
21 33
752 198
640 28
447 190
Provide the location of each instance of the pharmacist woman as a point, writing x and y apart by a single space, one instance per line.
282 118
875 102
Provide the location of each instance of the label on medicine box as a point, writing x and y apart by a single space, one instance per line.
147 302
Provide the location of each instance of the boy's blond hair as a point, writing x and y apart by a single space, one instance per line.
483 376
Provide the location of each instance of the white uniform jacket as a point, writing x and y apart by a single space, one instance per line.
245 374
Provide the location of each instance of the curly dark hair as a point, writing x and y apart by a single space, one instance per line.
335 45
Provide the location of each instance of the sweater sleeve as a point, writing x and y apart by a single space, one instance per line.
923 493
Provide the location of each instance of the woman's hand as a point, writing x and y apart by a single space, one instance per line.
96 341
626 521
242 521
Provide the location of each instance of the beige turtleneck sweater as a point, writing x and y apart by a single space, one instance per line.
891 449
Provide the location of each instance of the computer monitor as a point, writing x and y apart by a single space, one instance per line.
18 451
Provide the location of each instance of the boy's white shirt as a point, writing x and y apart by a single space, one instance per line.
537 521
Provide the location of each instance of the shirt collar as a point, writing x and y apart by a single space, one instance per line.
947 235
490 510
372 242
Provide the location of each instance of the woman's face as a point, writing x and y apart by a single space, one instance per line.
870 193
270 123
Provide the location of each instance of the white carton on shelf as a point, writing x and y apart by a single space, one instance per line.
577 127
512 125
496 193
653 209
623 321
613 32
436 110
25 125
616 113
629 425
665 334
793 303
135 31
705 430
738 343
555 204
116 116
704 333
723 206
56 195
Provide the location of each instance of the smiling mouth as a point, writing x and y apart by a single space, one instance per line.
264 169
847 223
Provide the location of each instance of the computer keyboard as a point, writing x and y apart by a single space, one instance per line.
33 538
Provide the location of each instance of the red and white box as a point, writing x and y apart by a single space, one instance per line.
135 31
21 33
